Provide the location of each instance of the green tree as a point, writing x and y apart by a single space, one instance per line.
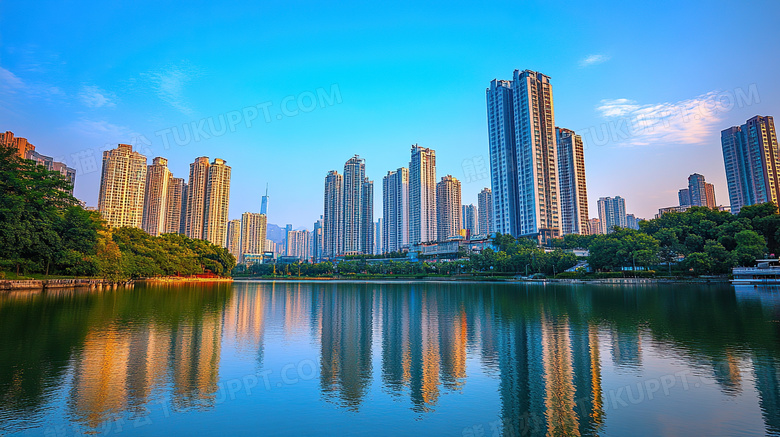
750 246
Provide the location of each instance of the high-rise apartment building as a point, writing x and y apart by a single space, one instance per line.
524 156
196 198
253 229
21 145
503 157
183 218
573 190
378 250
698 193
352 204
215 213
485 211
422 195
395 209
612 212
594 226
537 156
298 244
158 179
175 206
50 164
469 216
317 240
122 187
234 238
750 154
448 219
332 216
632 221
684 196
207 199
367 218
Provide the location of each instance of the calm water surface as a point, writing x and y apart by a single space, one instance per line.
346 358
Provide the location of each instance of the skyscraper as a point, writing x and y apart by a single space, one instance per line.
573 190
264 202
422 195
122 187
612 212
448 219
234 238
503 157
367 218
352 204
485 210
196 198
378 250
46 161
217 200
530 206
298 244
253 228
332 216
183 218
632 221
684 196
395 208
317 240
750 154
469 217
175 205
158 179
537 157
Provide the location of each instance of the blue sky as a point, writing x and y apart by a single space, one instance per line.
77 77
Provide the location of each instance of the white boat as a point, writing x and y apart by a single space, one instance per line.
766 272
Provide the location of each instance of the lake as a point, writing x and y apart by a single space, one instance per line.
391 358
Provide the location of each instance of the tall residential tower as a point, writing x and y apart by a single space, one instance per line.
122 187
422 195
573 191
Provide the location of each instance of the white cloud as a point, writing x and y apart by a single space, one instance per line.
169 85
10 81
594 59
103 130
94 97
690 121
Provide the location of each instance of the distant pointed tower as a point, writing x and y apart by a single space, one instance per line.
264 202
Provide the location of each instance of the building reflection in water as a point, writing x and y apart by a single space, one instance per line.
345 342
121 367
541 349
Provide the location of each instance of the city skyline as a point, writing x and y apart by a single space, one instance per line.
604 71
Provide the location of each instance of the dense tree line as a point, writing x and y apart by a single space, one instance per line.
44 230
699 240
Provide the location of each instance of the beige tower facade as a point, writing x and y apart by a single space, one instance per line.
253 231
537 156
217 201
196 198
175 204
158 179
234 238
122 187
422 195
448 210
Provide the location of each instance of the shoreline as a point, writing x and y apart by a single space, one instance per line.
95 283
604 281
45 284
